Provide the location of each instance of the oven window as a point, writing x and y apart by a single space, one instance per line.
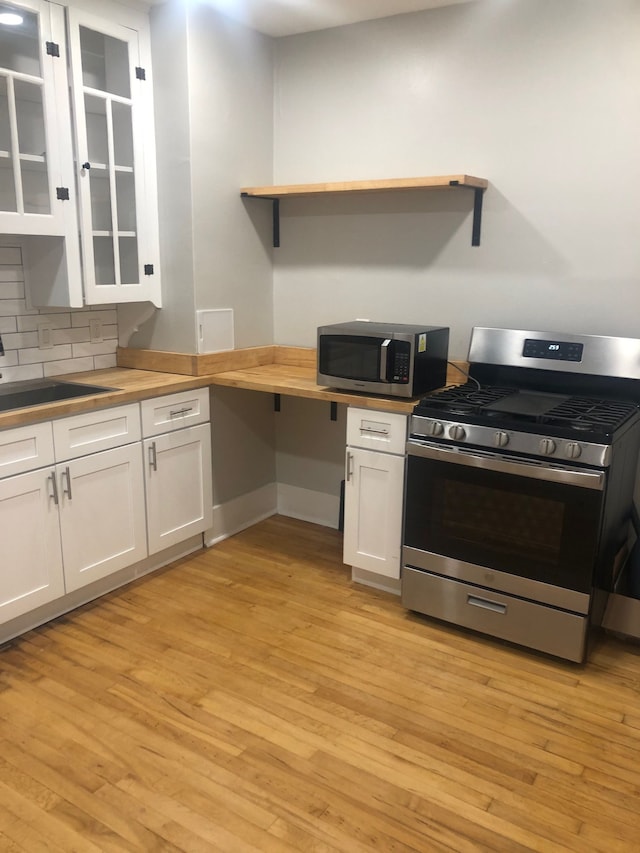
512 523
350 357
509 523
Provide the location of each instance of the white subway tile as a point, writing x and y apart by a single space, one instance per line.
20 340
71 365
11 255
101 361
31 356
82 317
31 322
110 332
16 374
11 290
9 358
98 348
7 324
14 307
70 336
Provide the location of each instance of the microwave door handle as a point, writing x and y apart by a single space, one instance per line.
384 351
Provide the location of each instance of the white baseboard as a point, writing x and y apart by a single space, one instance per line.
240 513
307 505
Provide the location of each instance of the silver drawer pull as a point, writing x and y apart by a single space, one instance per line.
54 487
153 457
67 491
364 430
176 412
485 604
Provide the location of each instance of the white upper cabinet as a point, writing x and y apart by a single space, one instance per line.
37 187
112 104
86 168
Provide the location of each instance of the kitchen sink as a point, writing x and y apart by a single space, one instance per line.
35 392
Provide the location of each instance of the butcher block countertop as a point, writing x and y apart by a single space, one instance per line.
141 374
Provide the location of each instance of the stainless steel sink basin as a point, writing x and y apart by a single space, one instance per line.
35 392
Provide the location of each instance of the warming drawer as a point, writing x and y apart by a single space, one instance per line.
493 613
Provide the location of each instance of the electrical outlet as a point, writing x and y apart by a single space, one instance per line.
45 336
95 331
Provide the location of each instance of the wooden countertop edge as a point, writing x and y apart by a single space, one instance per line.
289 371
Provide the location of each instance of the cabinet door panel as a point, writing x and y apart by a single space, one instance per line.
35 140
31 573
373 511
178 485
101 514
112 99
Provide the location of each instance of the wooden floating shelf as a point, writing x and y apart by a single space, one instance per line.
391 184
439 182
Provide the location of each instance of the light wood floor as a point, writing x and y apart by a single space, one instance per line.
252 698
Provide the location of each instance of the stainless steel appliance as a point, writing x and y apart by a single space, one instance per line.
519 487
394 359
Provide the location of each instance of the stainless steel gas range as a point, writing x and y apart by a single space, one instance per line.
519 487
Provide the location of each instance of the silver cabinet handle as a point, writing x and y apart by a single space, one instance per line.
349 469
153 457
175 412
67 491
365 430
54 487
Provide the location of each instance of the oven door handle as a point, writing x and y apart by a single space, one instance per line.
518 467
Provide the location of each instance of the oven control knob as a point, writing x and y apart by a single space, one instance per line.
434 428
547 446
572 450
457 432
501 439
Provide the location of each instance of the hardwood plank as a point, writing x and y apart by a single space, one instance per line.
251 697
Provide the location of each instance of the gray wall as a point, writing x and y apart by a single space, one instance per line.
538 96
213 89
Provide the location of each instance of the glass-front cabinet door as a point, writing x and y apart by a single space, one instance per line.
115 152
37 192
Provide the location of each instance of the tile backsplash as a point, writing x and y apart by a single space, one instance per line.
49 341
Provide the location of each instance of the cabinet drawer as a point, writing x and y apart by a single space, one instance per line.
25 449
163 414
383 431
496 614
90 432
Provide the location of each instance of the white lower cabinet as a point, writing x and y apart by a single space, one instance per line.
177 467
31 574
83 497
373 499
102 519
178 485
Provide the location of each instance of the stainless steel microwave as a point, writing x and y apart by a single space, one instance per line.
391 359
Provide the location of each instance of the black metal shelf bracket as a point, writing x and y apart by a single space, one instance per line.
275 214
476 225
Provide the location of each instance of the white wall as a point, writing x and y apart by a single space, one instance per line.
213 94
538 96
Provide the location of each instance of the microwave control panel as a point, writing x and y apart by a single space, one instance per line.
400 362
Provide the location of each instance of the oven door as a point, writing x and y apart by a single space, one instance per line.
528 528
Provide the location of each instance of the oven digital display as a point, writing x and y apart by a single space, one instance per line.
555 350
